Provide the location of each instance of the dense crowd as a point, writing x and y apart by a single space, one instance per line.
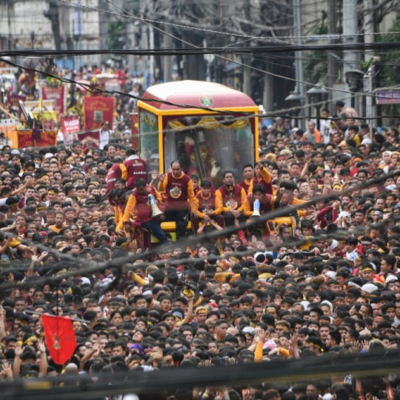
319 279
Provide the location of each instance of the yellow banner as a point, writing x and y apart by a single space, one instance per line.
47 118
210 123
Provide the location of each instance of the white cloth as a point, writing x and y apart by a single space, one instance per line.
60 137
104 138
324 130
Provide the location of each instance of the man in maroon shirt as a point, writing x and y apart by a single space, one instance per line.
207 207
233 199
248 175
179 197
136 168
116 172
138 204
257 176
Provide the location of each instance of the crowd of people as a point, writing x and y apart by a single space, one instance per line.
321 277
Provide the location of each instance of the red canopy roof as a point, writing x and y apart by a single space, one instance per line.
196 94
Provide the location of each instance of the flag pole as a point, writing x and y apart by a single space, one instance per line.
41 313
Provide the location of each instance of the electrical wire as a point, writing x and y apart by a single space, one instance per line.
238 376
119 262
204 50
201 29
251 67
94 89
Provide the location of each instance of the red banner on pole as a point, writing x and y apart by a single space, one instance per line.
70 126
56 94
13 101
97 111
59 337
25 139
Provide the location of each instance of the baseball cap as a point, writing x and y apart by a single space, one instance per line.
366 141
369 288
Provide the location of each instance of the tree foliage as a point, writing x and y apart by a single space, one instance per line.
390 60
117 35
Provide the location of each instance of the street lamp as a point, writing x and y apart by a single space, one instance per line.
354 78
316 96
295 99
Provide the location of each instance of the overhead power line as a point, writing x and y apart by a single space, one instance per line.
171 379
205 50
195 27
214 235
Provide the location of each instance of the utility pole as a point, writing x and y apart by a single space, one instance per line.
66 22
53 15
167 60
246 86
246 83
10 12
299 54
368 25
103 28
350 20
332 63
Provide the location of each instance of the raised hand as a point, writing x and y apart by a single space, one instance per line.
41 346
155 174
7 370
260 335
18 351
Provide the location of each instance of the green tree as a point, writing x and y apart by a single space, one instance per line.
390 60
117 35
316 63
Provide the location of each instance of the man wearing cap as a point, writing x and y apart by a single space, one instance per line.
200 315
367 272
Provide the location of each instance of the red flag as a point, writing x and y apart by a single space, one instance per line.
59 337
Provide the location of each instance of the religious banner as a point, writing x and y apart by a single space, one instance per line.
25 139
70 126
90 138
47 118
57 94
59 337
98 110
35 105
